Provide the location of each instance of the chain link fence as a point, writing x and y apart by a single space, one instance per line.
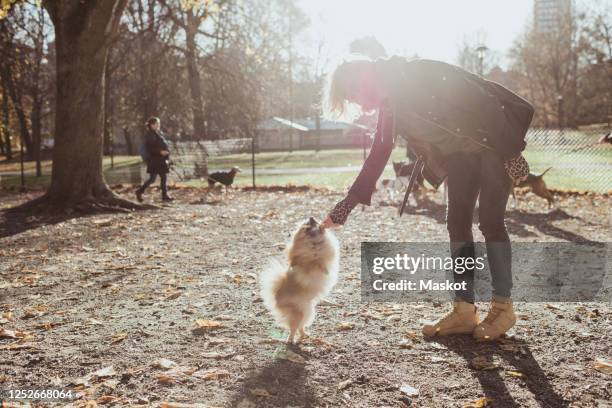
576 160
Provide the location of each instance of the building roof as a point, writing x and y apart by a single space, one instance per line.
306 124
276 123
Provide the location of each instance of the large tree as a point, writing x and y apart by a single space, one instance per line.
83 33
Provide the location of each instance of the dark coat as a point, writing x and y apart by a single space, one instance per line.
432 95
155 143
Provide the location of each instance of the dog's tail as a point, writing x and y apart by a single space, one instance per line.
270 280
544 172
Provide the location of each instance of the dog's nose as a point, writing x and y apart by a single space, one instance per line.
312 221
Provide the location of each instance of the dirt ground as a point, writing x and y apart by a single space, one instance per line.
161 308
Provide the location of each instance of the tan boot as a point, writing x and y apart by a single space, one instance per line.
500 319
463 319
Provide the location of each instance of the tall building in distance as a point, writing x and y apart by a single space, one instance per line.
548 14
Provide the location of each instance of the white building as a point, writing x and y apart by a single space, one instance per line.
548 14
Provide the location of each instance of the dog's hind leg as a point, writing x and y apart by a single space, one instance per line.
306 321
296 318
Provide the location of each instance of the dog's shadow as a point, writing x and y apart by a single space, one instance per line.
493 382
284 380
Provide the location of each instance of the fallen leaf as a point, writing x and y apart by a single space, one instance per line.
105 372
345 326
344 384
603 366
164 363
327 302
289 355
12 334
405 344
103 222
412 335
94 321
479 403
409 390
118 337
107 399
218 356
483 363
211 374
516 374
204 325
166 379
174 295
17 345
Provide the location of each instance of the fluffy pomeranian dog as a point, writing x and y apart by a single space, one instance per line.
291 291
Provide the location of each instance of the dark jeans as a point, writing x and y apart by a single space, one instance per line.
468 175
163 185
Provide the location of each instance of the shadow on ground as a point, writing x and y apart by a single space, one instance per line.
284 380
516 220
493 381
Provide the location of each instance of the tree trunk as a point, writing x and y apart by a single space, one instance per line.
8 151
107 112
83 31
35 118
199 130
9 85
128 141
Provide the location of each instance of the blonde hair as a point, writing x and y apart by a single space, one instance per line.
339 86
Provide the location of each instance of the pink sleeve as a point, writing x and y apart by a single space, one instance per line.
375 163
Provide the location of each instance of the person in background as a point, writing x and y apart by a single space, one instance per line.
465 128
157 154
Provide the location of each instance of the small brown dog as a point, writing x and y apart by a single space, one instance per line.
537 185
292 291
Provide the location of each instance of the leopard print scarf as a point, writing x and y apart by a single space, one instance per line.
517 169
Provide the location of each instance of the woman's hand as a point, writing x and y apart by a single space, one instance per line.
340 212
328 223
164 153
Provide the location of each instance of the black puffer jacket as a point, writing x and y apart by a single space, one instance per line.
440 108
155 143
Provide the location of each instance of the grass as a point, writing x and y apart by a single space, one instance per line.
298 159
123 169
575 175
30 166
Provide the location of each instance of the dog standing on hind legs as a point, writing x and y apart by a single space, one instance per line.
292 291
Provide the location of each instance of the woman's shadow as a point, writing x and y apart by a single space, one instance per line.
283 380
517 354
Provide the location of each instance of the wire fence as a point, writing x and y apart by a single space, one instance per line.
577 160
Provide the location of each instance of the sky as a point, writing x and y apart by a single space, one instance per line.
432 29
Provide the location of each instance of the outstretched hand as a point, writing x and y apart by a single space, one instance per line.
328 223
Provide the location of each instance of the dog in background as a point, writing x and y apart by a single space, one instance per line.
391 186
291 291
537 185
223 177
404 169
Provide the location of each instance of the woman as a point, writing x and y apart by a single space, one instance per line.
465 128
156 152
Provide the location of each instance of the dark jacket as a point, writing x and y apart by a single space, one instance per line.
155 143
430 96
